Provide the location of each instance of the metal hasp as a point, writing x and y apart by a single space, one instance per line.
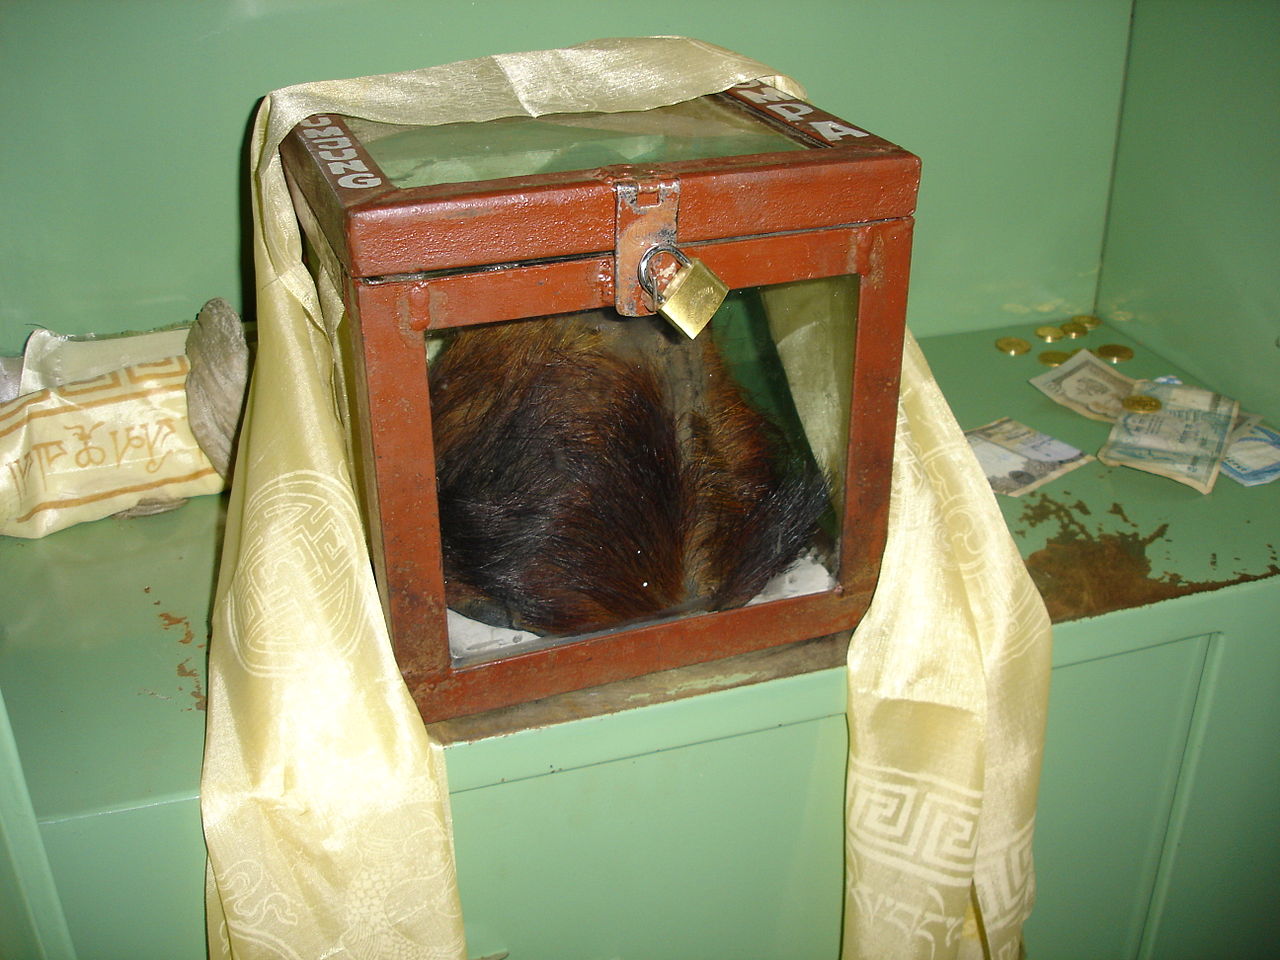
810 199
645 218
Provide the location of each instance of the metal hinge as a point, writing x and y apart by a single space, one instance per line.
646 218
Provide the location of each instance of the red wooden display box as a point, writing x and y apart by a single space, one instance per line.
825 200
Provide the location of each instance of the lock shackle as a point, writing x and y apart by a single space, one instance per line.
642 269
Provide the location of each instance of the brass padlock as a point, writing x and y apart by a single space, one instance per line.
692 296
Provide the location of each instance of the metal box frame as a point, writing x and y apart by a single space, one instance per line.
457 254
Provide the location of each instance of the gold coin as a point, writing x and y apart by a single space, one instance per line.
1049 333
1141 403
1114 352
1074 329
1053 358
1087 320
1013 346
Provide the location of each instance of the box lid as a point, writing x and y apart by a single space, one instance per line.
396 200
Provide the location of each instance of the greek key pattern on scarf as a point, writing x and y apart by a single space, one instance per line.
920 825
1006 880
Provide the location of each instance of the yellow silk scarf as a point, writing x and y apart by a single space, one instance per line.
324 800
948 693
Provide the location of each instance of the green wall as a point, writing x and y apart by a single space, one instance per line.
124 201
1193 246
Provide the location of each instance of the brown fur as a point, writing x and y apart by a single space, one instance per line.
594 472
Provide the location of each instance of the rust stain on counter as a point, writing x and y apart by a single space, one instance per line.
1084 572
170 621
186 671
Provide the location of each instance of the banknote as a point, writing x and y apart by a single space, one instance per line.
1245 422
1254 456
1087 385
1183 439
1017 459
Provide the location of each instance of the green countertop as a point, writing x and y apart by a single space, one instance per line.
1102 538
102 658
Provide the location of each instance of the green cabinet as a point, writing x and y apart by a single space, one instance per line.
1155 835
1215 895
710 825
1113 751
729 847
703 826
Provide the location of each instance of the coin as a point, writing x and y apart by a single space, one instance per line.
1013 346
1114 352
1053 358
1087 320
1141 403
1074 329
1049 333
